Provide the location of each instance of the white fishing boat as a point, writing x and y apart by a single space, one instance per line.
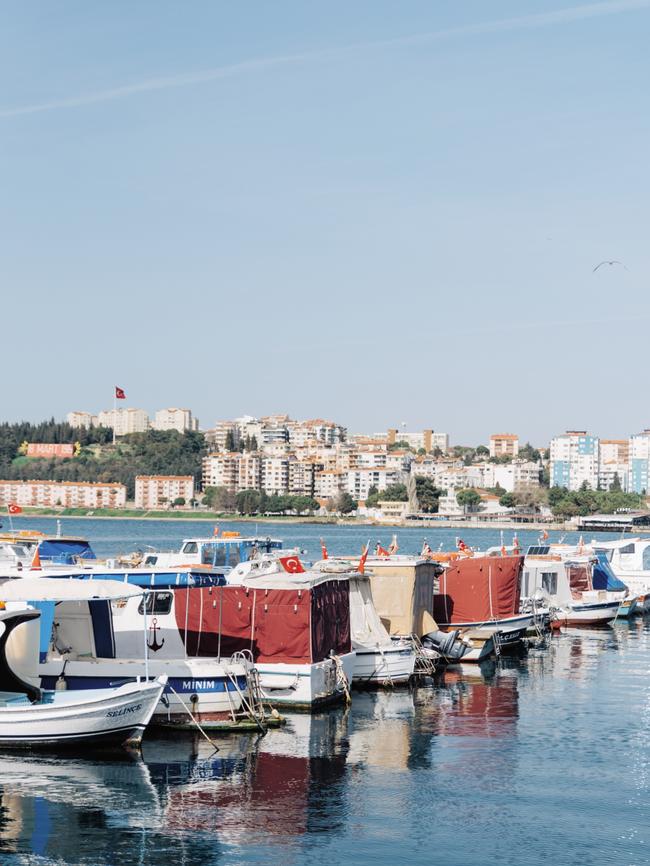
629 559
563 581
101 633
31 717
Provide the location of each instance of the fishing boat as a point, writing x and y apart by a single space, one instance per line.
31 717
629 559
222 551
564 580
98 641
379 660
402 590
479 595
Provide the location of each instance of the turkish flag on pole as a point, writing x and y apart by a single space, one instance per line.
323 548
291 564
12 508
119 394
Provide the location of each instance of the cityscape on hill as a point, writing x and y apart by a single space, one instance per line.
121 459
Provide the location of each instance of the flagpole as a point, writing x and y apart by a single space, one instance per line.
114 412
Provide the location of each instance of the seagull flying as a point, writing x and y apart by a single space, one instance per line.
610 262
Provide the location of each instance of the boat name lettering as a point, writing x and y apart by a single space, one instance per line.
198 685
111 714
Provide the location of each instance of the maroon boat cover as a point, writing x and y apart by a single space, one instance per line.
290 626
479 589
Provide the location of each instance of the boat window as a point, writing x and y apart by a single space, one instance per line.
190 547
157 602
233 558
629 548
646 558
549 582
152 559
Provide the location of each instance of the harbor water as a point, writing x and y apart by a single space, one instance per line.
532 760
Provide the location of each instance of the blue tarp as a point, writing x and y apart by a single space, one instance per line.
65 551
46 621
160 579
604 577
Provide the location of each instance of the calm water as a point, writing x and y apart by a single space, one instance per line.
536 760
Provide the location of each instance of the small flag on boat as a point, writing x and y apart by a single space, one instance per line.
362 562
119 393
460 544
394 547
12 508
515 544
544 535
291 564
215 531
323 548
381 551
426 549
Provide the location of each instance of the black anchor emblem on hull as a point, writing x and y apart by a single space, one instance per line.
153 628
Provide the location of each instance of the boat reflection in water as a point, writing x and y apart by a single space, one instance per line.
187 804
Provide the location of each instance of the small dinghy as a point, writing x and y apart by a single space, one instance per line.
31 717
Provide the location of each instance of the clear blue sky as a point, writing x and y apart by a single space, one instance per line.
374 211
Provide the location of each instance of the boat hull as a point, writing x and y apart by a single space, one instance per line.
383 666
305 686
201 687
587 614
98 717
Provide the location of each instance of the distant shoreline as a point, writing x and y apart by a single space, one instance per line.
505 525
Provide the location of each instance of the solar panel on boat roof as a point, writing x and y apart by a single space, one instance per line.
538 550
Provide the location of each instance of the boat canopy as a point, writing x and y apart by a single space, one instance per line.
604 577
365 625
148 578
479 589
35 589
65 551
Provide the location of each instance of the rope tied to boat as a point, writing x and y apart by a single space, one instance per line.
341 678
194 720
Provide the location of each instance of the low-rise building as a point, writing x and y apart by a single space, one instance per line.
155 491
82 419
175 419
504 445
124 421
67 494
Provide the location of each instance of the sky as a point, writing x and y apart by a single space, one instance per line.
374 212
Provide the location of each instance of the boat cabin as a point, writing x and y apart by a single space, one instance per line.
224 551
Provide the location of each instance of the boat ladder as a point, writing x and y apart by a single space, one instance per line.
252 703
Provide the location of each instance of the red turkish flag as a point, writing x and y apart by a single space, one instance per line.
361 568
291 564
119 394
12 508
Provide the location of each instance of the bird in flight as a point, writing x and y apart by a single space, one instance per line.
606 262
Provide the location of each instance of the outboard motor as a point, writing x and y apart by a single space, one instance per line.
446 643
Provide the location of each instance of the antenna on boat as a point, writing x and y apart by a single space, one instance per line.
58 528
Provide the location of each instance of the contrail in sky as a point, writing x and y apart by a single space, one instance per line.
522 22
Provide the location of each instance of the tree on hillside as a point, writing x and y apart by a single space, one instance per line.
428 494
345 503
469 499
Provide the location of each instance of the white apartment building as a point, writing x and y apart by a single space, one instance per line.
329 483
358 482
510 476
221 470
175 419
504 445
575 460
124 421
81 419
249 470
156 491
639 462
302 476
427 439
369 459
399 461
275 475
68 494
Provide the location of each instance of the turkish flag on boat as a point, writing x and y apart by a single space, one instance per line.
119 394
323 548
361 568
291 564
12 508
